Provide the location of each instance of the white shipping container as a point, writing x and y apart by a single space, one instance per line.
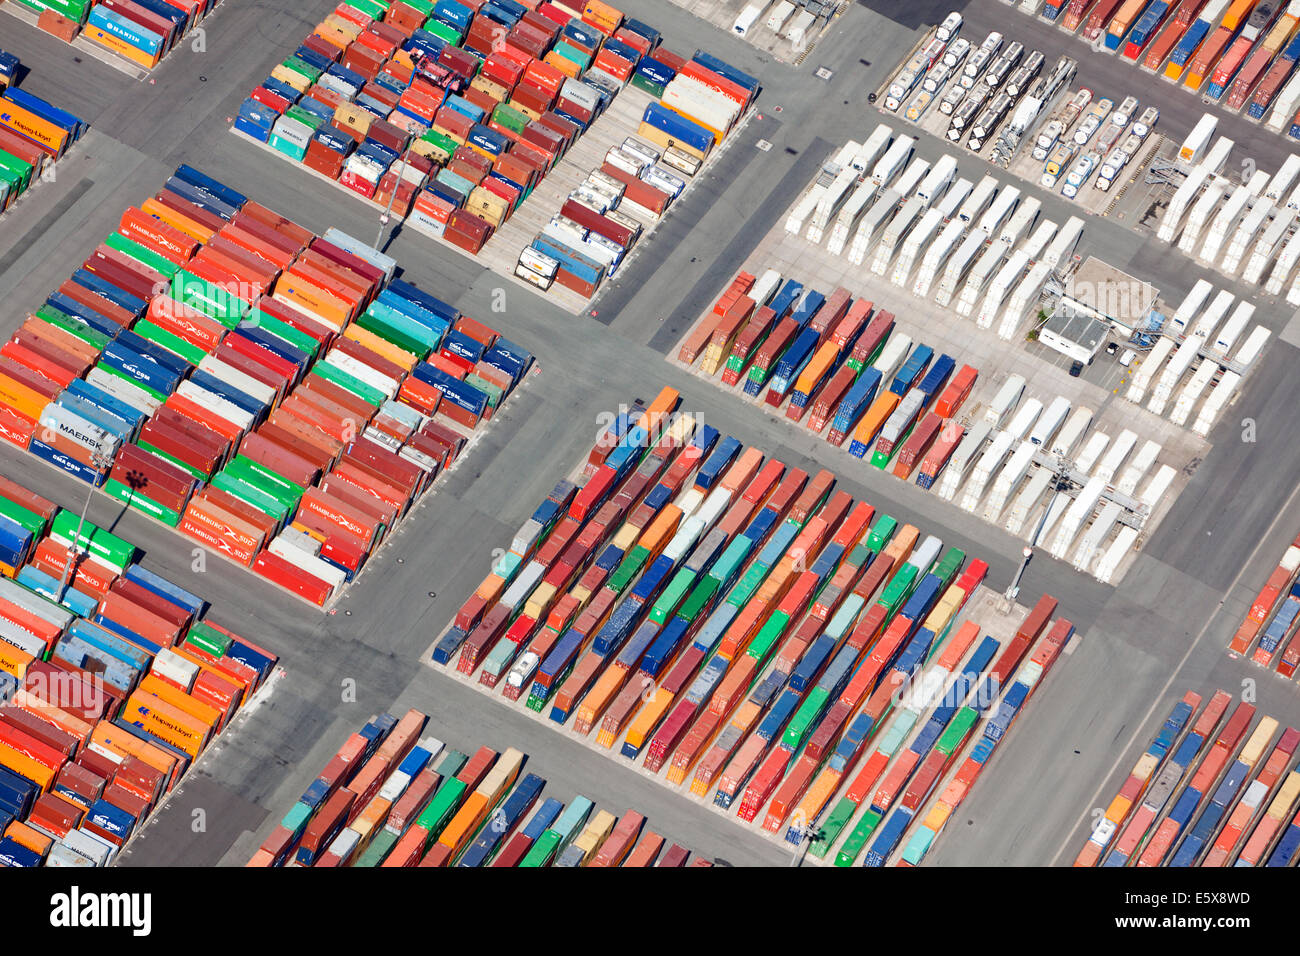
216 404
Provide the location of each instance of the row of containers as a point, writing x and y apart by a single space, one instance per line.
112 685
391 798
1240 54
1270 632
744 631
34 135
279 397
452 113
1194 799
838 365
141 31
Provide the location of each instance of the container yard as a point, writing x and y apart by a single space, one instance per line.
450 121
395 797
132 37
1215 787
662 633
115 683
820 441
279 397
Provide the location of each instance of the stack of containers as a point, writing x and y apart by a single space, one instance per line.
33 136
142 31
112 692
454 112
229 373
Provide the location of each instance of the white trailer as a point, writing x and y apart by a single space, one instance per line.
988 463
1192 392
891 164
1218 399
959 267
916 240
1284 105
1244 237
1115 455
1193 147
1002 207
1281 182
1079 511
1096 533
1183 197
1040 531
1199 215
892 355
895 233
1224 222
936 257
1232 329
1120 547
1071 431
938 180
963 456
830 202
845 222
951 200
1286 261
1039 238
1211 317
1020 223
1006 398
1092 449
1030 495
1063 246
978 278
1173 373
1024 299
1156 487
1268 245
1008 480
1251 348
1217 157
873 148
978 200
794 222
1024 419
1146 371
1010 273
765 287
1138 467
1187 309
1050 421
870 224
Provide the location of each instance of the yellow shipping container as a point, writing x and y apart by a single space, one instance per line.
112 739
661 139
25 401
13 661
291 77
173 695
169 723
25 766
937 816
381 346
352 117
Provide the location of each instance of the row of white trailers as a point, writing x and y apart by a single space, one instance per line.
1247 227
998 472
1198 333
975 247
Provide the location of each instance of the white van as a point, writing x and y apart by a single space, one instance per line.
748 17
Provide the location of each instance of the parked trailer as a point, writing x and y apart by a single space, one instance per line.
1244 238
989 462
965 455
1008 480
1028 499
1199 215
917 239
990 258
936 256
959 266
1232 329
894 233
1222 226
1268 245
1023 300
1010 273
1062 247
1184 196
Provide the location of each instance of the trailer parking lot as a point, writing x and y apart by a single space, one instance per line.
1141 643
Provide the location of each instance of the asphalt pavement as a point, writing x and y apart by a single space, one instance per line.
1138 646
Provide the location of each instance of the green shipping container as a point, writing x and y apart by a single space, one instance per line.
379 848
857 839
100 543
332 373
209 299
73 327
956 731
628 569
803 719
441 807
208 638
881 532
250 494
768 635
510 118
171 342
698 600
672 596
28 519
541 852
830 831
444 146
142 254
242 471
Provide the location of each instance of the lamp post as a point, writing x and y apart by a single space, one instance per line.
100 461
386 217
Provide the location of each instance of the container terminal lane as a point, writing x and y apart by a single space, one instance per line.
1137 648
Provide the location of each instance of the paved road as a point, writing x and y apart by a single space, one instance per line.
1131 638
